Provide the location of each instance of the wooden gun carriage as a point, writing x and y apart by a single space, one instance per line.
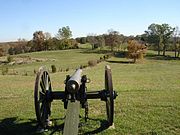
74 96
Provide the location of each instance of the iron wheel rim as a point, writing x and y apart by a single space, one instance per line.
109 99
42 105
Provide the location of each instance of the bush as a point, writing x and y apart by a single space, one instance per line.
105 57
67 69
83 66
92 63
9 59
35 72
53 67
5 71
136 50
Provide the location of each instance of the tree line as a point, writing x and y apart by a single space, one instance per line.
43 41
163 37
158 37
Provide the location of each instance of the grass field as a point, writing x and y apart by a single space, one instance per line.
148 99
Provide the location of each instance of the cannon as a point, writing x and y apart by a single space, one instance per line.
74 96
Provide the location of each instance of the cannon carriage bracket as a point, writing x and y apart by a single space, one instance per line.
75 90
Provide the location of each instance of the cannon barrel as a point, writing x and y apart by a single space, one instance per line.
73 84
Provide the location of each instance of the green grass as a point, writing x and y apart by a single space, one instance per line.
71 59
148 99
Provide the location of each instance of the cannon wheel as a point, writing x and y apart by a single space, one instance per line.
110 98
41 100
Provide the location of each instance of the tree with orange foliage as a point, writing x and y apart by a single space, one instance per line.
136 50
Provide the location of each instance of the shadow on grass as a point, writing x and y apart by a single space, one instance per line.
120 54
16 126
121 62
160 57
103 126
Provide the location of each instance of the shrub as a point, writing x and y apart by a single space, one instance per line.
9 58
106 57
35 72
92 63
136 50
67 69
83 66
53 67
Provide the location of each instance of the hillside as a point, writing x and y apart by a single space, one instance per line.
148 101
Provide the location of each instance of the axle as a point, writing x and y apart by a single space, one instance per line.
102 94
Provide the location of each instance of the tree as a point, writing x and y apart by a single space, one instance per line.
64 44
54 44
91 38
121 41
38 39
73 44
176 35
83 40
47 35
21 46
178 46
136 50
22 40
64 33
167 32
112 39
47 43
2 52
160 35
100 41
11 51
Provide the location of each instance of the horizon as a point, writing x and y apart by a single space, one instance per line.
20 19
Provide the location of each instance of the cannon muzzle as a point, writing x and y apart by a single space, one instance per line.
73 84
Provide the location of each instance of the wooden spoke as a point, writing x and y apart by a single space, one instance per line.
42 105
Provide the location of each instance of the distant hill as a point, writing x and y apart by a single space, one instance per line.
10 44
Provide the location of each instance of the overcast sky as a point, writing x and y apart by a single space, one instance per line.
20 18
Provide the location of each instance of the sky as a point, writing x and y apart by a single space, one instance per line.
21 18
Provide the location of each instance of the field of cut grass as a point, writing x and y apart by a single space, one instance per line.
148 99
